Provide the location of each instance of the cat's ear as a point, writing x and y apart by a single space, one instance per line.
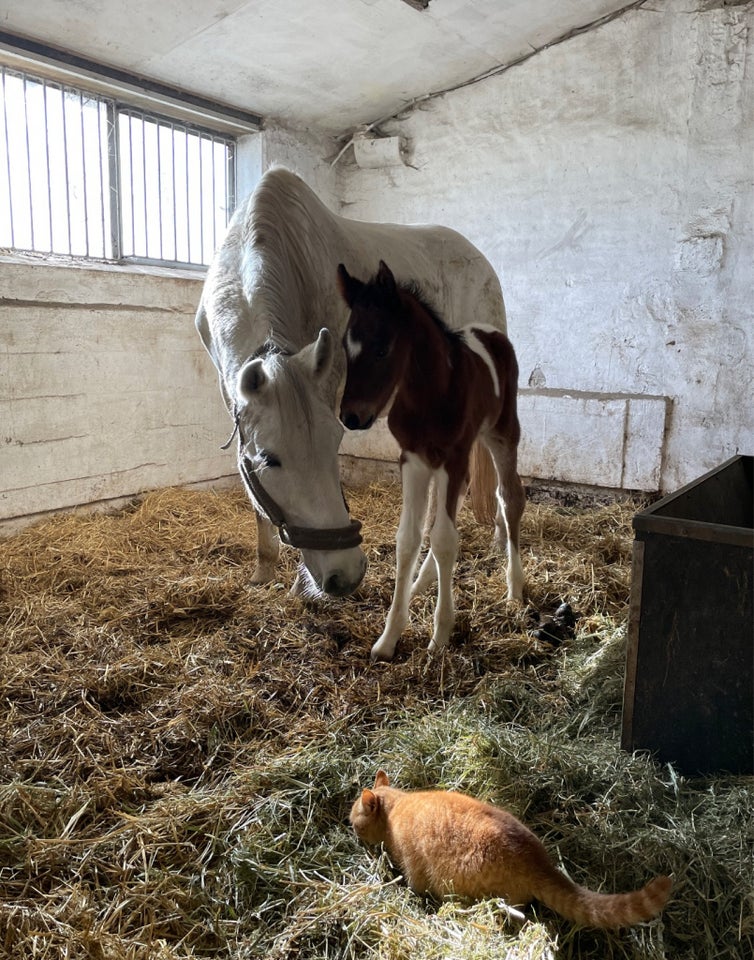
381 780
370 802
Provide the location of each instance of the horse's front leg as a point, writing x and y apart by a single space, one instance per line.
444 543
268 550
415 477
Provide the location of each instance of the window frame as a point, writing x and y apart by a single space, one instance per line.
123 94
122 109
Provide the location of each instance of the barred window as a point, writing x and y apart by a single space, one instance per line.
87 176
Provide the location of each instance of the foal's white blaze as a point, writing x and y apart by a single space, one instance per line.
353 346
473 342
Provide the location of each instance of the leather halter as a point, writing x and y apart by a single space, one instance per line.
304 538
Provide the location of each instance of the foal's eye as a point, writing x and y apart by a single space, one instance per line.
268 459
382 350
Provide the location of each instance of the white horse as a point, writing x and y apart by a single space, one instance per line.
272 320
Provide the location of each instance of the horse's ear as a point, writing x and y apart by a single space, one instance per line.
381 780
347 285
317 356
251 378
385 278
370 801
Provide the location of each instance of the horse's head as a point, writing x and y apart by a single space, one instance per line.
288 457
374 364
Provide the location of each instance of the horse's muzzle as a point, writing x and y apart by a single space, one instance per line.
338 585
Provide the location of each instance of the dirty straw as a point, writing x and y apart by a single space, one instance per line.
180 749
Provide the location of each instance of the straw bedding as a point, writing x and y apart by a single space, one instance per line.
180 749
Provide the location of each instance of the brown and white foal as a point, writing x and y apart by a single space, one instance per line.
448 388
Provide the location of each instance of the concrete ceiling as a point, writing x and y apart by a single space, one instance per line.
326 65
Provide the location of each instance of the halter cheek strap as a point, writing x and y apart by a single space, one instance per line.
304 538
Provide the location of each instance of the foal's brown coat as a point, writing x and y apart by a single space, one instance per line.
446 842
445 388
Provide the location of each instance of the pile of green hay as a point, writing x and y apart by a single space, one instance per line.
180 749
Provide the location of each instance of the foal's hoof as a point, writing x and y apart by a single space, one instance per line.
436 648
380 657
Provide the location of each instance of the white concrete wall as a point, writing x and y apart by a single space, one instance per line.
103 387
609 180
306 154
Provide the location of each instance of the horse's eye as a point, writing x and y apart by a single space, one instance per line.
382 350
268 459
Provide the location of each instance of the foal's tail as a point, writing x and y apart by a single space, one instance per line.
483 484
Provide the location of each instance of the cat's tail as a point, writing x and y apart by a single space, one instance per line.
606 910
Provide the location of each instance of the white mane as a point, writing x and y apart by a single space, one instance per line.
288 256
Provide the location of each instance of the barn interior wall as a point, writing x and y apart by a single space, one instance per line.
609 181
105 388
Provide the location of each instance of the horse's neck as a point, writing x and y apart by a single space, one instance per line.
292 238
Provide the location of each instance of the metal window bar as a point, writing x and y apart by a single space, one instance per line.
181 189
84 175
50 148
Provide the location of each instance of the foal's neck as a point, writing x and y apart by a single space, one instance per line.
427 340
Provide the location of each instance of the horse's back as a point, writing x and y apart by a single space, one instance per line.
454 274
282 221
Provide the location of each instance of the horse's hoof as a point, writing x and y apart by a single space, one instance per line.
380 655
262 574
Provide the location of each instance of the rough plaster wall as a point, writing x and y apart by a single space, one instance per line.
306 154
609 180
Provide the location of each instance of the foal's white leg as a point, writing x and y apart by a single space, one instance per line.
511 501
415 476
428 572
426 576
444 543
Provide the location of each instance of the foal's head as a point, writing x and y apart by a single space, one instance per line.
374 363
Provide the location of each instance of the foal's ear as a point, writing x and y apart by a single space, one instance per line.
370 802
251 378
317 356
385 278
347 285
381 780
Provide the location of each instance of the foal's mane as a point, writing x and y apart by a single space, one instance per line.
415 292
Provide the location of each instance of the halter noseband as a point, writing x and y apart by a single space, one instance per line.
304 538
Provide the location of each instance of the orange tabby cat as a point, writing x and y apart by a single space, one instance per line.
446 842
